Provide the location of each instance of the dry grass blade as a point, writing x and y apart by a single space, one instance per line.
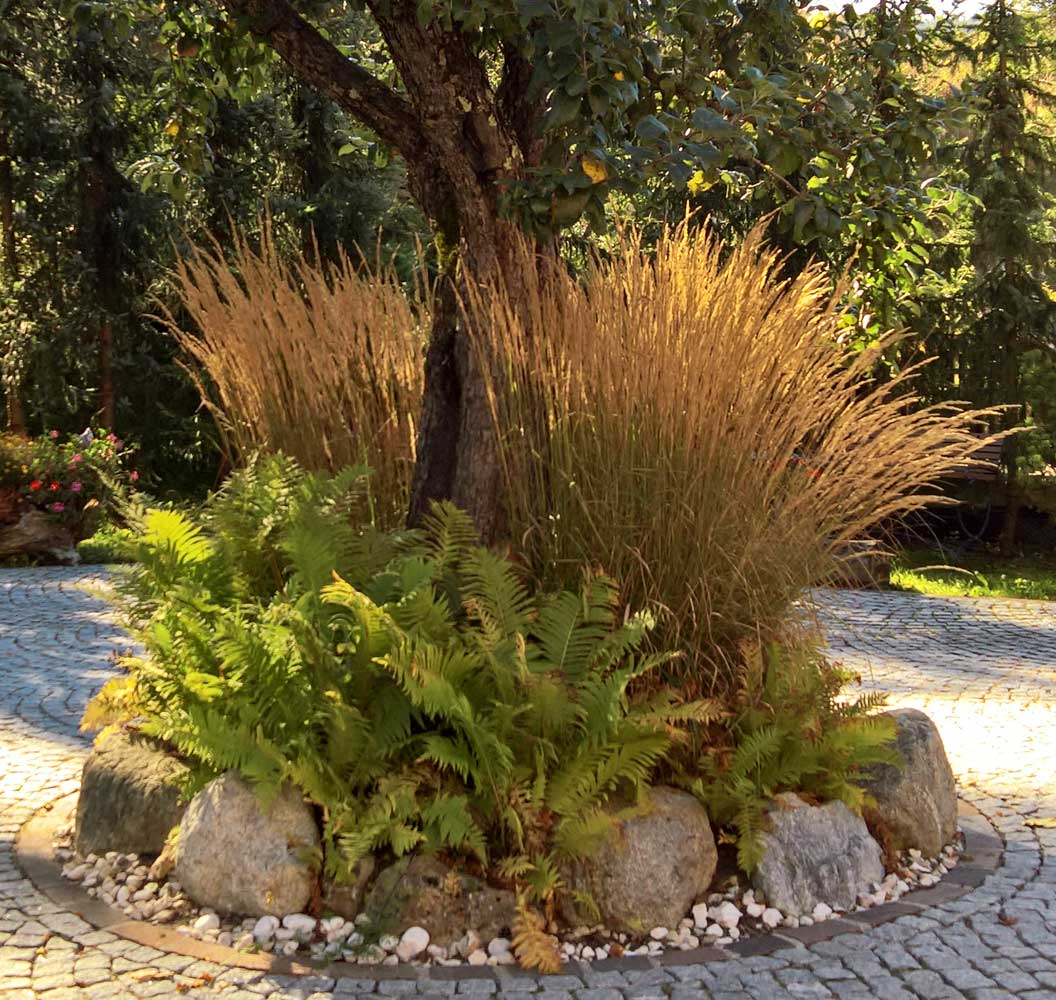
324 364
689 420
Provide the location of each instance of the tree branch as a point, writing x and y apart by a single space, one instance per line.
319 63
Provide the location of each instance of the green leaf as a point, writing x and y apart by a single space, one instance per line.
650 129
712 124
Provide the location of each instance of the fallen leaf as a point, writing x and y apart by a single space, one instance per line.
1042 822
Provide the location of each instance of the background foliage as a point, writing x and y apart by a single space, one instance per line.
908 146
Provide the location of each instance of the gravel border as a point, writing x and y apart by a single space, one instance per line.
983 853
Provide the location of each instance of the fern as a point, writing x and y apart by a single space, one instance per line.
791 732
534 948
408 683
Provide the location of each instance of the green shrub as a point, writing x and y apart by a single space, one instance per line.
408 682
71 479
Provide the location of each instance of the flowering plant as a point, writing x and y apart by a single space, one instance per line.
70 478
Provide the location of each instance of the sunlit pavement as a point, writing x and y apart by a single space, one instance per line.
984 670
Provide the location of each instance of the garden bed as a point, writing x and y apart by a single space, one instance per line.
132 885
36 847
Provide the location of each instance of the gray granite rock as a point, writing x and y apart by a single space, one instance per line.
129 798
236 856
650 872
916 803
815 854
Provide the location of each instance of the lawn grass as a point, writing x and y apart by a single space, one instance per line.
975 574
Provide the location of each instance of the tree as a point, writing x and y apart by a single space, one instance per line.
525 116
993 319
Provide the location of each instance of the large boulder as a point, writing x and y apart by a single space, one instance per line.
130 796
237 856
652 869
917 803
815 854
421 891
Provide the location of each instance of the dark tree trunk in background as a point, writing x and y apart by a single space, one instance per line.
100 191
309 112
16 418
461 139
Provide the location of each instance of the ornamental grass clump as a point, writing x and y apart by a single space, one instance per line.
320 363
690 419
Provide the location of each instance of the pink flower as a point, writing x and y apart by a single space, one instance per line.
76 458
112 438
58 507
75 487
135 476
54 435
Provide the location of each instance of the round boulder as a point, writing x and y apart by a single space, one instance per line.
237 856
129 798
653 867
916 803
815 854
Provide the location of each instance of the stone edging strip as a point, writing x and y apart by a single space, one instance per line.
982 856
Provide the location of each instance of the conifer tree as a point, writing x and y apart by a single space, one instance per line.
1007 161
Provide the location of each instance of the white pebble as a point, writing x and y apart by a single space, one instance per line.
206 922
700 915
412 943
478 957
755 910
726 914
265 928
301 924
771 917
822 911
498 946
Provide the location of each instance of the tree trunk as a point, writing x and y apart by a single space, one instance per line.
462 139
106 375
457 449
16 418
100 182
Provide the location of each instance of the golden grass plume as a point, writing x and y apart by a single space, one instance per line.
321 363
691 421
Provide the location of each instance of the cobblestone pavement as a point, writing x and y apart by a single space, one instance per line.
984 670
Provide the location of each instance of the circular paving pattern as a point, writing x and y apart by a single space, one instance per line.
984 670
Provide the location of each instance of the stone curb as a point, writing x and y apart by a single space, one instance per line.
984 850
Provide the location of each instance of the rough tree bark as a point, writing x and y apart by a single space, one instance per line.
462 140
